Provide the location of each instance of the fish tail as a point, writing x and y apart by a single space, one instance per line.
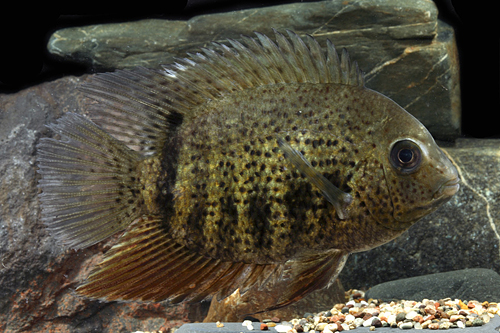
88 182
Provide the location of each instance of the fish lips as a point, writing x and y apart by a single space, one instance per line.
447 189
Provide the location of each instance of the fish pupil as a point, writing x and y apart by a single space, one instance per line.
405 155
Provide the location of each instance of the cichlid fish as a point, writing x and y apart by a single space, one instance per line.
259 163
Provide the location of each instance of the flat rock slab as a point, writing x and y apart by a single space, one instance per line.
468 284
491 327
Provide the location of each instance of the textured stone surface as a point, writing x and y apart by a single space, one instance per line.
464 233
406 52
468 284
149 43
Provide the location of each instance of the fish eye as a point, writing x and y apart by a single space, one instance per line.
406 156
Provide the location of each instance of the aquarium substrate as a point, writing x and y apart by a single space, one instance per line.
358 313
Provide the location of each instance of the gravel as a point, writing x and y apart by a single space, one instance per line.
374 315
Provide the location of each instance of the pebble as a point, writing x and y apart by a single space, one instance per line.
400 316
368 322
433 326
444 325
412 314
330 328
320 326
246 322
426 323
376 322
406 325
477 322
282 328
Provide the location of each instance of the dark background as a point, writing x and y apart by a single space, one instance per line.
24 60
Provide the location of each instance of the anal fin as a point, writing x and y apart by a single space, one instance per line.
146 264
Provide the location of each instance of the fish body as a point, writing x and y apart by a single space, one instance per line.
262 164
251 205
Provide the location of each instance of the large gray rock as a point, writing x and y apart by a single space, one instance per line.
364 25
406 52
464 233
467 284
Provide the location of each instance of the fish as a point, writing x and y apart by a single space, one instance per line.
255 163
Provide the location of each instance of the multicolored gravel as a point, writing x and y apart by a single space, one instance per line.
371 315
426 314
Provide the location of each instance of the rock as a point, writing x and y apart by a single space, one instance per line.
153 42
406 52
478 284
406 325
412 314
444 325
320 326
376 322
477 322
400 316
463 233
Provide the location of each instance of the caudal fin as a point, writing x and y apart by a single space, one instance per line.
89 187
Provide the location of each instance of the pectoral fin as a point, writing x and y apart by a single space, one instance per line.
340 200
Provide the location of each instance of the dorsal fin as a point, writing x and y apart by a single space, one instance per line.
140 106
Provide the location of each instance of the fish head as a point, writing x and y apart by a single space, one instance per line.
419 175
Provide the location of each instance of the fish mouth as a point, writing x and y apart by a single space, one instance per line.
447 189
